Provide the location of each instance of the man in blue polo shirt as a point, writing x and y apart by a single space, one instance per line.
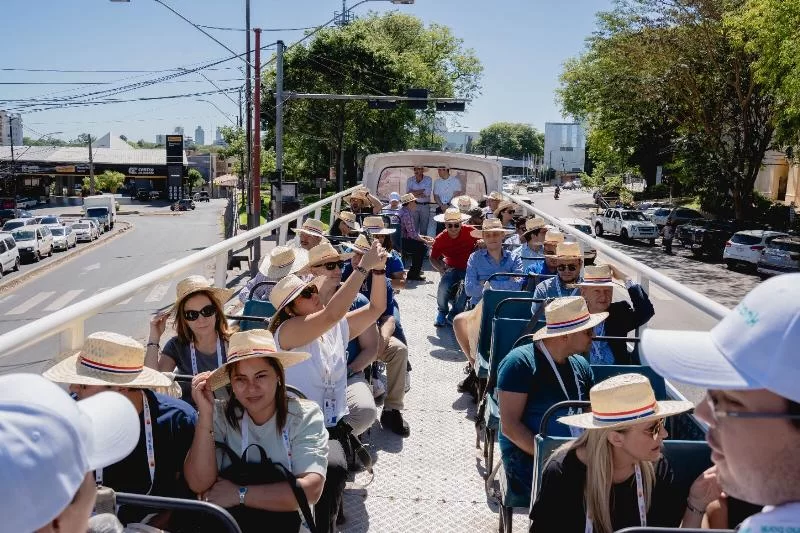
569 261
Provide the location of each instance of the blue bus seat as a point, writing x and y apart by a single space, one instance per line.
256 308
688 459
544 448
603 372
672 530
491 299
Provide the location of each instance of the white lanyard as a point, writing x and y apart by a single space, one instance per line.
148 443
193 354
639 498
558 376
246 438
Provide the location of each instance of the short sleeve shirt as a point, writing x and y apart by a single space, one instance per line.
456 251
181 354
308 438
446 189
394 264
426 184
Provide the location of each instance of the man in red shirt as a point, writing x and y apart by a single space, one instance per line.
451 249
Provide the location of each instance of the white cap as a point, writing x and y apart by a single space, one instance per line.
394 197
49 442
753 347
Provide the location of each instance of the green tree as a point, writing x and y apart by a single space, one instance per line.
109 181
508 139
194 179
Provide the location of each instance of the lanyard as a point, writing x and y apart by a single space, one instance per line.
639 497
148 443
246 438
193 354
558 376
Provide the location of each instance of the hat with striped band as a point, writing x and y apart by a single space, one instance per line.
349 218
325 253
252 344
376 226
567 315
622 401
597 276
108 359
360 246
464 203
311 226
283 260
286 291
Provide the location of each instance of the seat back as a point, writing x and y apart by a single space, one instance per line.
671 529
222 517
491 298
603 372
504 332
688 459
256 308
543 449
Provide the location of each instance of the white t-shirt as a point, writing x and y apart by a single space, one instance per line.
323 377
446 189
781 519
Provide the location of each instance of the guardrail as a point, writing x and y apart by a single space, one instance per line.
68 322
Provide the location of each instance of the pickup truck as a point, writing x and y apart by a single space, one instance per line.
626 223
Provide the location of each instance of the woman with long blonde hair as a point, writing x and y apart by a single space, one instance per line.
614 473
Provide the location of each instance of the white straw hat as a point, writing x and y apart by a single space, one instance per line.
622 401
311 226
464 203
325 253
490 224
597 276
283 260
407 198
252 344
451 215
361 245
193 284
567 250
349 218
494 195
286 290
567 315
533 224
376 226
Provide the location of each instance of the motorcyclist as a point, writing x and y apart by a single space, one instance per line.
557 192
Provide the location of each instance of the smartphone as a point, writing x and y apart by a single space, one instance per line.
369 237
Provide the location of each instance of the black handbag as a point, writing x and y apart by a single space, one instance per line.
242 473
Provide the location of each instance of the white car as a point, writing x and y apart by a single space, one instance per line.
589 254
64 238
9 254
97 229
34 242
83 231
51 222
745 247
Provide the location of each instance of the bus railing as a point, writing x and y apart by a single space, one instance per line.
69 323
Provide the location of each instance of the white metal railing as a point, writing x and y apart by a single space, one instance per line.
68 323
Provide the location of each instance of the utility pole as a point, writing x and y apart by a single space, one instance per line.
249 116
242 166
13 164
277 202
91 166
255 165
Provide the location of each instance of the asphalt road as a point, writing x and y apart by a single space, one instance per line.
157 238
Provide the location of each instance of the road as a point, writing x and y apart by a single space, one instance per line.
157 238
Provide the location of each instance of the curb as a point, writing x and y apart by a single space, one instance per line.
16 282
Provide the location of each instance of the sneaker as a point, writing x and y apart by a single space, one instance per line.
441 321
470 383
392 420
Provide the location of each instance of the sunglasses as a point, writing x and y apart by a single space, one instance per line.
334 265
570 267
655 429
192 315
308 292
453 226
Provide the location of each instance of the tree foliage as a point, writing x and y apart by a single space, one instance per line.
508 139
109 181
194 179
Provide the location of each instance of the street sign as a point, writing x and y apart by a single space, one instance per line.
320 183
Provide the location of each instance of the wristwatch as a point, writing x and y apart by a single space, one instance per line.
242 494
361 269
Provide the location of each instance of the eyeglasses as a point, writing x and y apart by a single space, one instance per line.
334 265
571 267
717 414
308 291
655 429
191 315
453 226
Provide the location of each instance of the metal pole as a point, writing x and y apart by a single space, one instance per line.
256 164
249 116
13 164
91 166
278 200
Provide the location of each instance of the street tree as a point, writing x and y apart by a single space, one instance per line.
194 179
508 139
109 180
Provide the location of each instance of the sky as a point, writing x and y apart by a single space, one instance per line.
522 45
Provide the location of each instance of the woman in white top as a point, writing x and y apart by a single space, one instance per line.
258 415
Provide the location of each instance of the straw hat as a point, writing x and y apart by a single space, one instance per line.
622 401
193 284
553 237
110 359
361 245
494 195
325 253
464 203
597 276
533 224
376 226
283 260
285 291
311 226
252 344
503 206
358 194
567 315
566 250
407 198
451 215
349 218
490 224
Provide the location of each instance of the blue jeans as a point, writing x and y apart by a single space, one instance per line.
446 292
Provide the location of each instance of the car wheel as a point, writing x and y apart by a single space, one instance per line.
51 252
16 265
598 230
36 256
624 234
730 264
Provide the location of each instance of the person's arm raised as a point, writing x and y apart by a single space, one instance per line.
361 319
200 466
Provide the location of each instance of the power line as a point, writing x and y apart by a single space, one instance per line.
262 29
102 71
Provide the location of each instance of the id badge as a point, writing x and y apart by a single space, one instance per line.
329 411
575 432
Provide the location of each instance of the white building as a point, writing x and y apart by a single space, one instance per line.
564 146
459 141
111 140
178 130
10 129
199 135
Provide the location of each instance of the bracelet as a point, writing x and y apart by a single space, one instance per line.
149 344
693 509
380 272
361 269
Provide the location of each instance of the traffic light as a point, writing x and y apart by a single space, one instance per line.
417 93
450 106
382 104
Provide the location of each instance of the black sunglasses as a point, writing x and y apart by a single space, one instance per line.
570 267
333 265
308 291
192 315
453 226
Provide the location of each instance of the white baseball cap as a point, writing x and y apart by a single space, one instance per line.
753 347
394 197
49 442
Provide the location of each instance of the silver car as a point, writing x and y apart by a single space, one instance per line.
83 231
64 238
781 256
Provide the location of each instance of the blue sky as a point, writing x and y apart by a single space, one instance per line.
521 43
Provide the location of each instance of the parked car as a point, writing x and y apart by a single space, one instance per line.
710 237
154 195
34 242
659 216
589 253
684 234
8 214
744 248
15 223
143 195
25 203
781 256
97 229
83 232
626 223
64 238
184 204
681 215
535 186
9 254
51 222
202 196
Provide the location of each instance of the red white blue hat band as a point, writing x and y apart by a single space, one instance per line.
570 323
596 280
112 369
624 416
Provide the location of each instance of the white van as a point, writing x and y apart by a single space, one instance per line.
34 242
9 255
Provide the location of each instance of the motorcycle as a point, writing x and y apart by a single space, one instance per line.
556 193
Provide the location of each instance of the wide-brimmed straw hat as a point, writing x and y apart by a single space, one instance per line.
622 401
503 206
493 225
283 260
325 253
349 218
358 194
407 198
311 226
360 245
568 250
597 276
553 237
252 344
194 284
532 224
494 195
464 203
286 291
376 226
109 359
451 215
567 315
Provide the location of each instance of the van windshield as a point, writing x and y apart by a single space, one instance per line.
24 235
8 226
97 211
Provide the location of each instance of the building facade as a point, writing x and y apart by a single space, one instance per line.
10 129
564 146
199 135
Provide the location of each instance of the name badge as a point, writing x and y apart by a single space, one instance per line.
329 411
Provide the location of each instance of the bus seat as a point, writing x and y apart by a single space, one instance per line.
544 448
671 529
491 299
603 372
688 459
